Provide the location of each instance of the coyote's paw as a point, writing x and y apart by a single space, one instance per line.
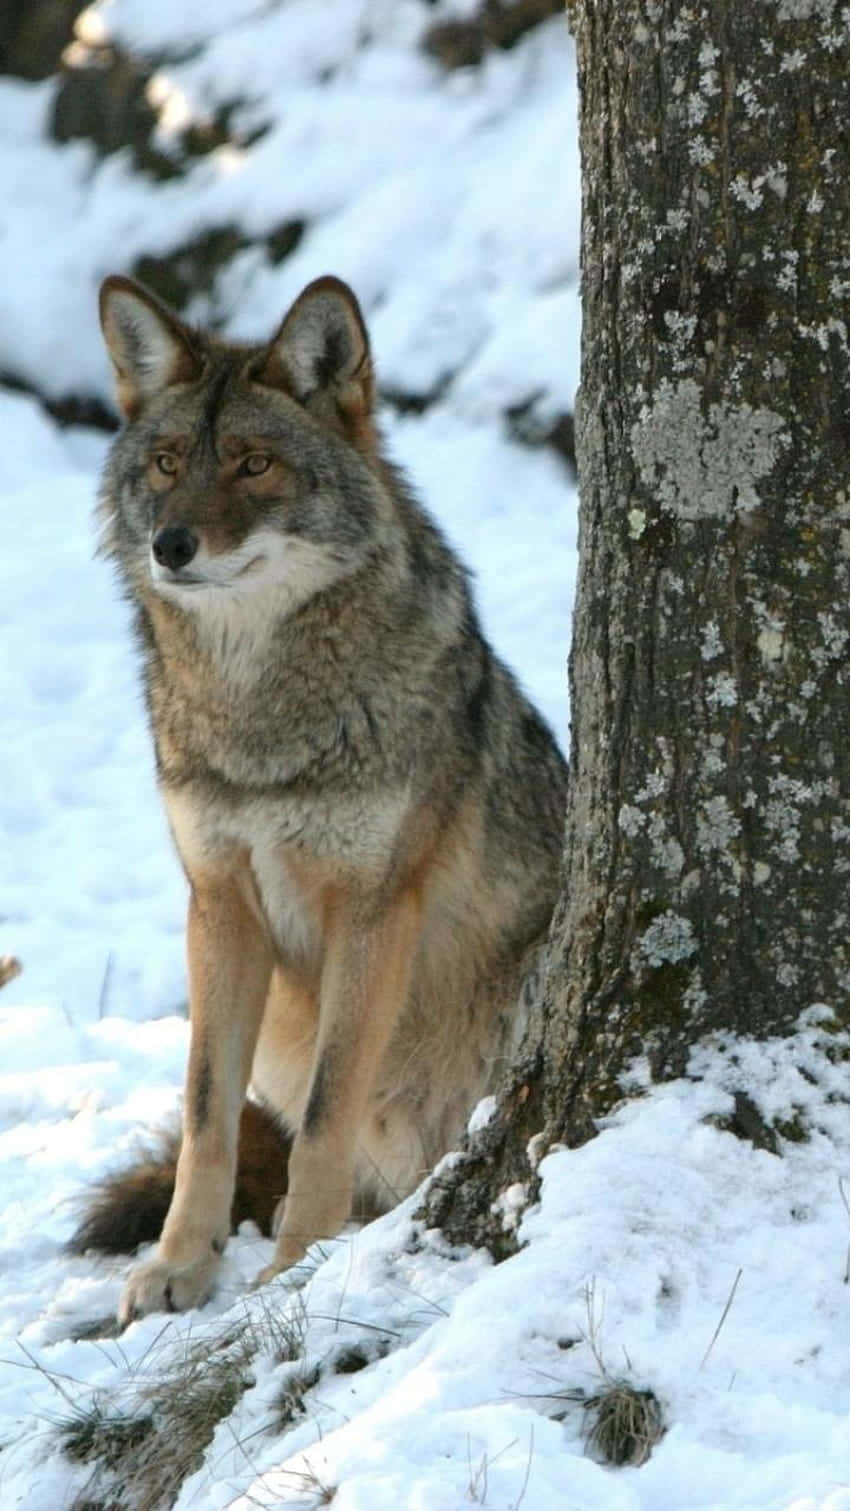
266 1274
164 1286
288 1251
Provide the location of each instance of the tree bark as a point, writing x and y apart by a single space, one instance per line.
707 842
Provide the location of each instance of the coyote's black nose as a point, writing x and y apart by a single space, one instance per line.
174 546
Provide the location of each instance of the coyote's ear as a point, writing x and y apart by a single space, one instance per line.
149 347
321 352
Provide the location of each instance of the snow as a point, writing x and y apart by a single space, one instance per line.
667 1252
398 171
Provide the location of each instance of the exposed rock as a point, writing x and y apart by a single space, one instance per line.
34 34
68 409
104 100
463 43
525 423
192 268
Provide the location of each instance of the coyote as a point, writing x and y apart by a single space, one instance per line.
367 809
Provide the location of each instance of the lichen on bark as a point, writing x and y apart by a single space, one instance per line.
703 466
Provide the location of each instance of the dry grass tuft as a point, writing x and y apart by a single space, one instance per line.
350 1360
290 1402
353 1357
627 1424
94 1432
143 1439
307 1481
624 1423
140 1455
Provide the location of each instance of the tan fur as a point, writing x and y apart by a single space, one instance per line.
366 808
9 969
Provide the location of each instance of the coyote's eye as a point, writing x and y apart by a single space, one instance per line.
166 462
255 464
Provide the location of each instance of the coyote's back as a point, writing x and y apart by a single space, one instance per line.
367 809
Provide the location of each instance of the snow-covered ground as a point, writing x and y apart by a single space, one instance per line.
450 202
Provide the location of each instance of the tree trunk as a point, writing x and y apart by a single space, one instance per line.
707 845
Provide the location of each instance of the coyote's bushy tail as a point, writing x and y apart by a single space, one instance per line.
129 1207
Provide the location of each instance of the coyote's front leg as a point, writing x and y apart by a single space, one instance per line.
364 986
230 966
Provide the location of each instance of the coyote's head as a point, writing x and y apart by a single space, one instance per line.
242 468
